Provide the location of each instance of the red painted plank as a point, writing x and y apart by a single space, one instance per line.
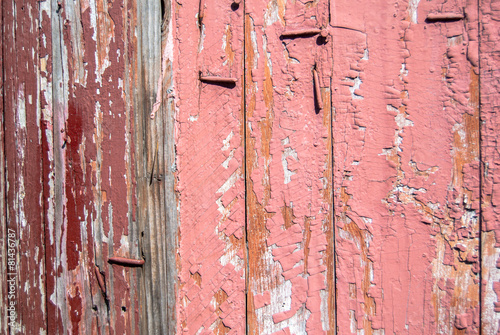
3 213
23 255
490 238
406 178
209 139
291 286
88 170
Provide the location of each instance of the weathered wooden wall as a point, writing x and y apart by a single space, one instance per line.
281 166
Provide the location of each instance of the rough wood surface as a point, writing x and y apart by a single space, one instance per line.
156 199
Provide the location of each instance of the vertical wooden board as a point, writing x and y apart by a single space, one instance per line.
51 184
406 178
288 151
490 188
3 214
23 281
155 162
88 174
209 147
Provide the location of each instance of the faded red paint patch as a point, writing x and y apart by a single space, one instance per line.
75 312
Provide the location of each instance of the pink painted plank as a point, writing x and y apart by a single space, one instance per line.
406 176
490 190
291 285
209 138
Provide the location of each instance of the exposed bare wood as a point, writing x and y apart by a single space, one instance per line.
156 198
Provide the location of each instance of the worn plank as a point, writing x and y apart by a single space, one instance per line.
291 285
406 178
3 202
88 172
155 152
490 188
25 268
210 154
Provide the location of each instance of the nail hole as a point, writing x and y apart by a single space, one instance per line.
124 308
321 40
235 6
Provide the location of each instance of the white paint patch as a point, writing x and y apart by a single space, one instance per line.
352 319
253 38
325 322
272 13
357 83
365 54
230 182
202 36
268 55
21 108
226 143
225 164
413 10
288 152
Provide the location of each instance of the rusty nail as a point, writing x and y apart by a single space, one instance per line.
303 32
317 90
444 17
100 280
126 261
214 79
